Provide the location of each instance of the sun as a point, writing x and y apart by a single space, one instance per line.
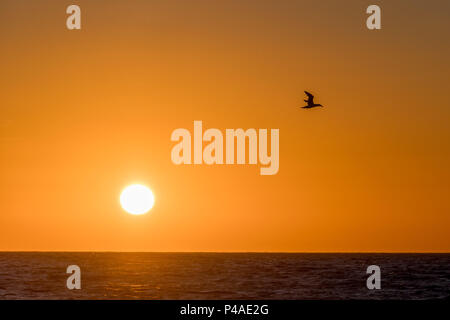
137 199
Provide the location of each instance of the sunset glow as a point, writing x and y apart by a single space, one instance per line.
86 113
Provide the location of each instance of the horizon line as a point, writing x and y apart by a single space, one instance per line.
262 252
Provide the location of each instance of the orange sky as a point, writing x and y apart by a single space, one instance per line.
86 113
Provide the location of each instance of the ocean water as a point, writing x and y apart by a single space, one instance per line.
223 276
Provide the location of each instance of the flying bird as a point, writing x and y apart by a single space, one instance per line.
310 101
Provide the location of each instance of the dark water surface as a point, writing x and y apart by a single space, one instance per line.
223 276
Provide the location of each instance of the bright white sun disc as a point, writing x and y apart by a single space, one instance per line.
137 199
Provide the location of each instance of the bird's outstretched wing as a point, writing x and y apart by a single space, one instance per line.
310 96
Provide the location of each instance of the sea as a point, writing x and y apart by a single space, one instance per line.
214 276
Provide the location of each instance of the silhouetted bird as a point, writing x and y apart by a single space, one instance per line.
310 101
